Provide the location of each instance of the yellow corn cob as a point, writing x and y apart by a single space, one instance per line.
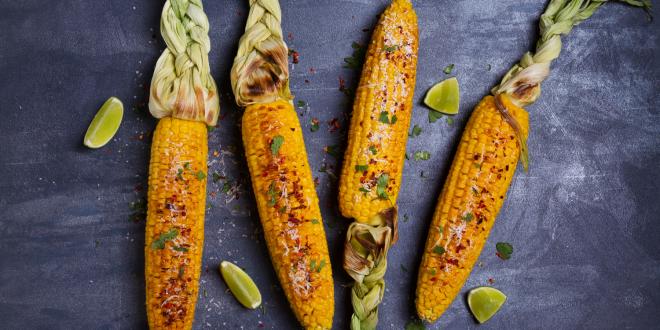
373 162
175 222
288 207
184 96
493 141
473 194
381 117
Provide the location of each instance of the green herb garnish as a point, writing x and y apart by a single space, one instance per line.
439 250
200 175
276 144
355 61
448 69
373 150
468 217
180 248
381 185
272 195
416 131
390 49
301 103
159 243
422 155
361 168
434 116
315 221
383 118
504 250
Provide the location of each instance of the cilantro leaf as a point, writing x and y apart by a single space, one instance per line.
373 150
468 217
504 250
200 175
383 118
276 144
361 168
422 155
381 185
448 69
434 116
439 250
416 131
159 243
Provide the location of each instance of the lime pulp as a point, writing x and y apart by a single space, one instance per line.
484 302
444 96
105 123
241 285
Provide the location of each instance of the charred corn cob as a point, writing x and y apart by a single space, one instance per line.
492 143
373 162
281 177
185 98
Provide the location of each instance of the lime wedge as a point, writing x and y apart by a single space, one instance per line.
444 96
484 302
105 123
241 285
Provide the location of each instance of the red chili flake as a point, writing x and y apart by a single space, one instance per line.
294 220
213 194
491 281
295 57
312 70
342 84
316 181
453 262
138 188
289 36
459 248
334 125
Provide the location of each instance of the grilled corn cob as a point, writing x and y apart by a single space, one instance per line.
281 177
373 162
474 192
184 96
492 143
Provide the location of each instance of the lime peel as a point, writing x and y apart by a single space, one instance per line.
105 124
241 285
484 302
444 96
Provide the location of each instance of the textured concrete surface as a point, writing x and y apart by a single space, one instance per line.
584 222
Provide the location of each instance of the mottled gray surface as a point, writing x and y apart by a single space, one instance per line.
584 222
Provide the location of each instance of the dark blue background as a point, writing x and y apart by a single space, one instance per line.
584 222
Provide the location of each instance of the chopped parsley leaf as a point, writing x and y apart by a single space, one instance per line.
373 150
394 119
